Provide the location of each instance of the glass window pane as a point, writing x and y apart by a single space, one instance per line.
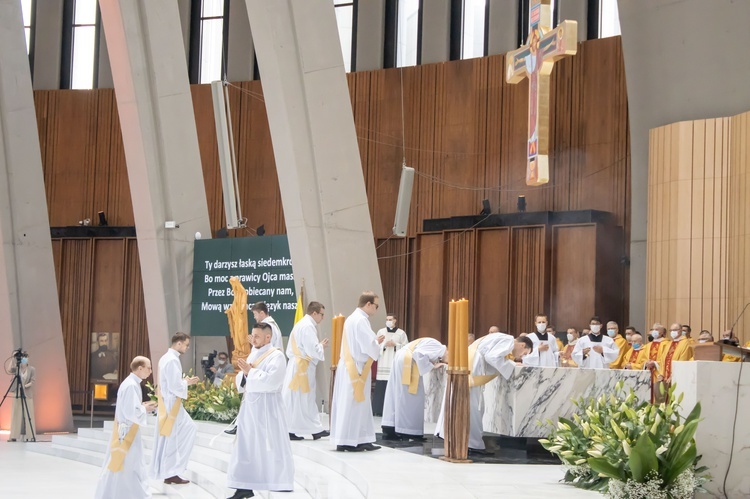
28 40
344 17
211 49
83 57
408 26
26 6
85 12
610 19
212 8
472 44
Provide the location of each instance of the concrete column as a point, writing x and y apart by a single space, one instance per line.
48 44
185 8
145 44
370 33
29 305
675 74
503 26
104 78
575 10
436 29
240 55
317 157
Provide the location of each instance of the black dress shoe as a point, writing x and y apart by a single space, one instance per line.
292 436
348 448
176 480
242 494
324 433
231 431
480 452
368 446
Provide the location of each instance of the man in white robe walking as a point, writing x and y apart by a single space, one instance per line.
490 355
124 474
351 413
175 430
595 350
260 313
545 346
262 457
304 352
403 410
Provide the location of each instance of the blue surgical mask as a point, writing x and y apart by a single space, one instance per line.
611 333
636 346
24 361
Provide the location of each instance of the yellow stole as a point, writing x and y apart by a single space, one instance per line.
410 373
482 379
299 381
357 379
119 449
165 422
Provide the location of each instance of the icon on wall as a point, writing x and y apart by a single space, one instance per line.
105 357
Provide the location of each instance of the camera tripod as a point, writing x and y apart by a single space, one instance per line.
21 397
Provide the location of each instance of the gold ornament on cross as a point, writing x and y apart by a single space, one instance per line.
535 60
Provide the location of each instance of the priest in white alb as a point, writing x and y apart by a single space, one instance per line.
403 410
546 351
490 355
175 430
124 474
595 350
304 352
260 313
351 412
262 457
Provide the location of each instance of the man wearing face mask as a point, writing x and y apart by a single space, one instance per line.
595 351
687 332
631 361
651 353
545 351
394 339
222 368
678 349
613 331
629 332
566 354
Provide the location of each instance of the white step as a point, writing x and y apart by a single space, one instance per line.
208 465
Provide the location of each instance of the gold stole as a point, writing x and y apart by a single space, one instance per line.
482 379
119 449
165 422
357 379
410 373
299 380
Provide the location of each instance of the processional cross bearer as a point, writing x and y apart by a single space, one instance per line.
535 60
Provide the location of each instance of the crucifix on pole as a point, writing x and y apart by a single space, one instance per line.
535 60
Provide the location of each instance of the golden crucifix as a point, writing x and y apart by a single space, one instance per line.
535 60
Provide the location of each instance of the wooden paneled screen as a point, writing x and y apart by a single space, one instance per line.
464 133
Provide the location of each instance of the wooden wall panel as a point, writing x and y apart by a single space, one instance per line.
573 276
738 264
493 275
134 328
527 277
430 303
107 285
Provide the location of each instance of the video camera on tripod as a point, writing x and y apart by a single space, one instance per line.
17 386
207 362
19 355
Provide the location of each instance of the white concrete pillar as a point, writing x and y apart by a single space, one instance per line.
575 10
370 33
145 43
48 44
436 29
502 34
240 55
317 157
29 305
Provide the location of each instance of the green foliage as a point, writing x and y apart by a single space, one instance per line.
207 402
628 448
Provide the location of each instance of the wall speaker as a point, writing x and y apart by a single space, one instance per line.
404 201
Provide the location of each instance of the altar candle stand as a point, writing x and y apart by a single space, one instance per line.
337 331
456 421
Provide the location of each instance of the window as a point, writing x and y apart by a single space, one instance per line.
84 41
27 7
609 19
209 34
407 33
345 20
473 29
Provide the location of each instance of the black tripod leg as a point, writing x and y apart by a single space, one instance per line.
27 416
8 390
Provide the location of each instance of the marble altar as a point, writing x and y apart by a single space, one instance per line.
715 385
513 407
